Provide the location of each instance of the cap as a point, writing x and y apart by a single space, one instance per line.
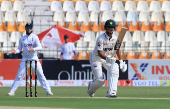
65 36
28 25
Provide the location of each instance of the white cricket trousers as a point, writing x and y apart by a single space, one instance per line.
96 65
22 72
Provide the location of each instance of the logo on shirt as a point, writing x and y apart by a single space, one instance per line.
95 65
69 52
28 45
105 43
98 43
112 44
107 49
110 23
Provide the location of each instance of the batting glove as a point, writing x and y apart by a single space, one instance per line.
110 60
123 66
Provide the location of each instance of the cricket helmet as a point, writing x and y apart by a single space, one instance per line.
110 23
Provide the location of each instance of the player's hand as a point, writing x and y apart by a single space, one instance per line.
14 51
60 59
31 49
110 60
123 65
77 59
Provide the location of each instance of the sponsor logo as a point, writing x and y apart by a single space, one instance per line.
56 82
105 43
164 83
84 83
138 73
107 49
28 45
156 69
95 65
121 83
63 83
98 43
146 83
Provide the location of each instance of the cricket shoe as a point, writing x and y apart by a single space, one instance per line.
11 93
90 94
50 93
113 95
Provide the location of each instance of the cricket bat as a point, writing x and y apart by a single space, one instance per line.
119 40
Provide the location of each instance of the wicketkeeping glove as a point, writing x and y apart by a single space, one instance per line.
123 66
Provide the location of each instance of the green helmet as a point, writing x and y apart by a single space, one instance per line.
110 23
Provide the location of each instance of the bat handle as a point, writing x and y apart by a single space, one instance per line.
114 53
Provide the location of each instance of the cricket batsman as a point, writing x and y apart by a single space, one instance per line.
30 44
102 56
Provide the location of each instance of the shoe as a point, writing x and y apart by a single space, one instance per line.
113 95
11 93
90 94
50 93
107 94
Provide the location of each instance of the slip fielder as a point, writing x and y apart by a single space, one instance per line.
30 44
101 56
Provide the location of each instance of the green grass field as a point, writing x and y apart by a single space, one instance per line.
76 97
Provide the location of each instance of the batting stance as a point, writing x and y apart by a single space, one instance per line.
30 44
101 56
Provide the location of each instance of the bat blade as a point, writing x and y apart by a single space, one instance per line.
120 38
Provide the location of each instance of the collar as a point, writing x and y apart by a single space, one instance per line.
108 36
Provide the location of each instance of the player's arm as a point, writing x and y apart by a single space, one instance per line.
119 54
75 55
99 45
18 50
37 44
74 51
61 57
100 53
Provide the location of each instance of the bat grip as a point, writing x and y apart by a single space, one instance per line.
114 53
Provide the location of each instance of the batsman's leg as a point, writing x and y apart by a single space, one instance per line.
98 81
113 75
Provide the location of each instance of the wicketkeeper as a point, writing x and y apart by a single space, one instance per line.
102 56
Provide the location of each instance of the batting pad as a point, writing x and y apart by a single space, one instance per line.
95 85
113 78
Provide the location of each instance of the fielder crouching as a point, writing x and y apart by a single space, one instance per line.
101 56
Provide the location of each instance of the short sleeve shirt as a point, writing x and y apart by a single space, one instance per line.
105 44
67 50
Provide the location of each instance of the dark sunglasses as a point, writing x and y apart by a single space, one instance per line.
27 28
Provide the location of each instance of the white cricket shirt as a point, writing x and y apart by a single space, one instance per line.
105 44
25 42
67 50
